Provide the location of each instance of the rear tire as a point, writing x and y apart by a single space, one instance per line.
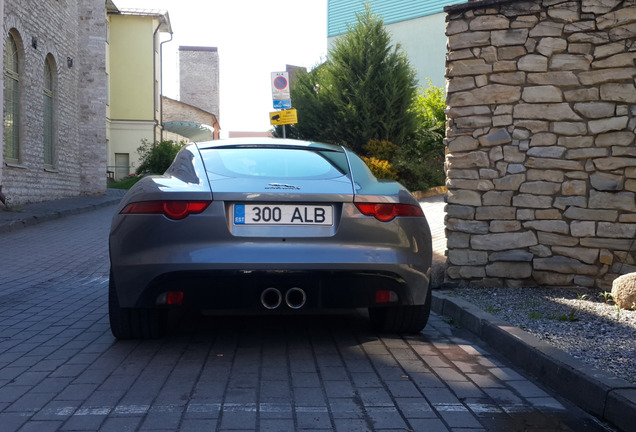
401 319
133 323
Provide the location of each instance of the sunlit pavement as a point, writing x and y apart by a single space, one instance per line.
434 211
60 368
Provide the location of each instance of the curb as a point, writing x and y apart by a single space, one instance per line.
599 393
33 214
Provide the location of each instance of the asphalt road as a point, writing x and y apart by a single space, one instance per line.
61 369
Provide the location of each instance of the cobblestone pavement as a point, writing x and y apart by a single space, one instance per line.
61 370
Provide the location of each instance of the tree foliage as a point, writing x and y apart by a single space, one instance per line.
156 158
430 107
364 91
364 96
420 162
313 112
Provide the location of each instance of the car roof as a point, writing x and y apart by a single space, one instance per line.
267 142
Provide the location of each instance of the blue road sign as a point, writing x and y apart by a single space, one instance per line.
282 104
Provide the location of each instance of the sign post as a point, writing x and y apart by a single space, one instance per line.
282 101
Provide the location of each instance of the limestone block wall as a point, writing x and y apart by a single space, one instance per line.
92 96
541 162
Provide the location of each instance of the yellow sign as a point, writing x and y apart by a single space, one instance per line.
283 117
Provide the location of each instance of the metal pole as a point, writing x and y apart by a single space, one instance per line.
284 131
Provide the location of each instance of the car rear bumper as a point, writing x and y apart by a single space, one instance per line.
243 289
204 260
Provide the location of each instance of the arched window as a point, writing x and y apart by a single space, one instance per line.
11 101
48 113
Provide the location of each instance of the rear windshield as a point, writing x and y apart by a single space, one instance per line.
275 162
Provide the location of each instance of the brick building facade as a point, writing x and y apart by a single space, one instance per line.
57 99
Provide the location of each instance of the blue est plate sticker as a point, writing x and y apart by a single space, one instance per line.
239 214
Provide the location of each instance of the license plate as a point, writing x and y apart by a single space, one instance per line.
284 214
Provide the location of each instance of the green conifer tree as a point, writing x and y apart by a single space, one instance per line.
364 91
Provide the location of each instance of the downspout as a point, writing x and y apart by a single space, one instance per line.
154 79
154 76
161 89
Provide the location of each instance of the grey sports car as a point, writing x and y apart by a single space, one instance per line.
268 225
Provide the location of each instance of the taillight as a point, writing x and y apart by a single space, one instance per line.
170 298
172 209
385 296
386 212
174 298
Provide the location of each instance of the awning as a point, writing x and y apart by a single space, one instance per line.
192 131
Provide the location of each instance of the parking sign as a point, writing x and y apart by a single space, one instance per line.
280 86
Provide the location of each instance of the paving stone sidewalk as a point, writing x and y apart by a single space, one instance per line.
21 216
603 396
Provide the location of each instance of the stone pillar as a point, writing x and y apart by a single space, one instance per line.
92 88
2 97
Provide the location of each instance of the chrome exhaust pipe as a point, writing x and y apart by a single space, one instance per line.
295 298
271 298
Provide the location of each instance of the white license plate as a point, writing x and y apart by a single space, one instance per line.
282 214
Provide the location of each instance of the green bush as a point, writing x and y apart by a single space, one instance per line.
381 169
380 149
126 182
417 163
156 158
418 168
379 153
420 161
430 106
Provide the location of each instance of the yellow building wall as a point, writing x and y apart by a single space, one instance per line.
125 138
132 78
134 82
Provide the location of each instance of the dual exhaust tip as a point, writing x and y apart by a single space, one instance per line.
272 298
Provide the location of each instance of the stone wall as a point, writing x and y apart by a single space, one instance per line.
1 99
177 111
54 28
199 78
92 96
541 159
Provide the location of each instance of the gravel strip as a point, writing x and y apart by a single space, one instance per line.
579 322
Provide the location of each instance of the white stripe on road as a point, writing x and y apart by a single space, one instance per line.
215 408
132 409
93 411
